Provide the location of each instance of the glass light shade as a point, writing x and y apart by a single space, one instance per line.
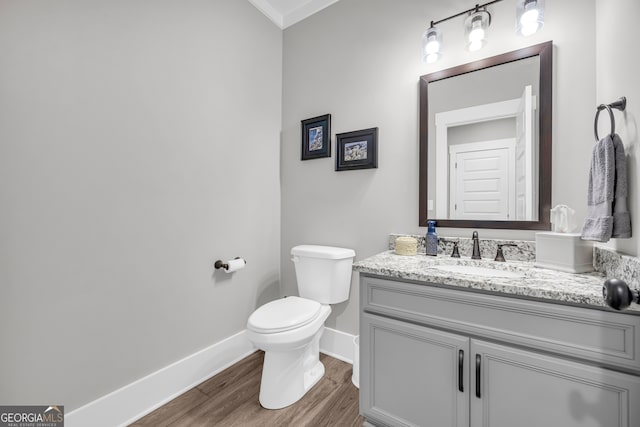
431 44
475 28
529 16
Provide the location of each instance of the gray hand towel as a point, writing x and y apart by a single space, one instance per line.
606 198
621 218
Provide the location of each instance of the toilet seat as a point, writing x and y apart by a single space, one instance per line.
284 315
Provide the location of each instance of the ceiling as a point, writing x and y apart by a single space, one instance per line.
285 13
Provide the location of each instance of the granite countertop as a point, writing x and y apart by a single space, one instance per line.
533 282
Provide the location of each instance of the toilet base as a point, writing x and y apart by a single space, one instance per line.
314 375
287 376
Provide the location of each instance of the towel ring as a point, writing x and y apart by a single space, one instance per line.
620 104
611 118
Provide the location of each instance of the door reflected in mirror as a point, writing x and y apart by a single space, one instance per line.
485 149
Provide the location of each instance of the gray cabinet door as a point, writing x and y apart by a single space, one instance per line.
409 374
525 389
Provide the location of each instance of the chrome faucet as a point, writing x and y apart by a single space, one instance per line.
476 246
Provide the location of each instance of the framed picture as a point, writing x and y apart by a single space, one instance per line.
357 150
316 137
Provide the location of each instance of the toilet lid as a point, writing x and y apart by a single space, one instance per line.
284 314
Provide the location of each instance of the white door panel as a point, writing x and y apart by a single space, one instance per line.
482 180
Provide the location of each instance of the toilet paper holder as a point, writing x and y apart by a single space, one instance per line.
220 264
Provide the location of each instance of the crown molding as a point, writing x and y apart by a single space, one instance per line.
284 19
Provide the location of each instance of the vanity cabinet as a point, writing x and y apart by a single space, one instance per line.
409 374
431 356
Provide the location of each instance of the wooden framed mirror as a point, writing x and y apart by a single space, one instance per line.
485 142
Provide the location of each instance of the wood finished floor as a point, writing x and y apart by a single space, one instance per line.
231 399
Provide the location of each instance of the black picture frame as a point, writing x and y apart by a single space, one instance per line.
357 150
316 137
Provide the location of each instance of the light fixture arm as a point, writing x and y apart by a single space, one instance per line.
473 9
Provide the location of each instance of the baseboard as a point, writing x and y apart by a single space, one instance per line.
338 344
137 399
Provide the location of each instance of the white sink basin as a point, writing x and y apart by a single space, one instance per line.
473 270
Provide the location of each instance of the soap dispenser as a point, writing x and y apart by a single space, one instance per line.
431 240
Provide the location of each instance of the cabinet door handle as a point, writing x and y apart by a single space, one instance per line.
478 366
461 370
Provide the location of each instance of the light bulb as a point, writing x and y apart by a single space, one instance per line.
431 58
530 16
477 33
433 45
475 45
529 28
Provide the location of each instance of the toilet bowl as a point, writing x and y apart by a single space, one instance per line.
291 361
289 329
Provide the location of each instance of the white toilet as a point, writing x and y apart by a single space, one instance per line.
289 329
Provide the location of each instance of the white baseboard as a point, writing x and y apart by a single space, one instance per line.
137 399
338 344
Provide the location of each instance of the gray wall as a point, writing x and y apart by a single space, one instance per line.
360 61
617 75
139 141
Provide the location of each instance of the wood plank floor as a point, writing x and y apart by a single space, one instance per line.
231 399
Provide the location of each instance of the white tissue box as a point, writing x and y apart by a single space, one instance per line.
564 252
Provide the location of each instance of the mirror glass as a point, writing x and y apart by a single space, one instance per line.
485 153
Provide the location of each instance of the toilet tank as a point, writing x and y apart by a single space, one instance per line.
323 272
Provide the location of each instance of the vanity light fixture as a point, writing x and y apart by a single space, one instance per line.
529 20
529 16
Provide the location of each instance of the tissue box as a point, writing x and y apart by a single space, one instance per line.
564 252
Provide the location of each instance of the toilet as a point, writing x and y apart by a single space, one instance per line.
289 329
